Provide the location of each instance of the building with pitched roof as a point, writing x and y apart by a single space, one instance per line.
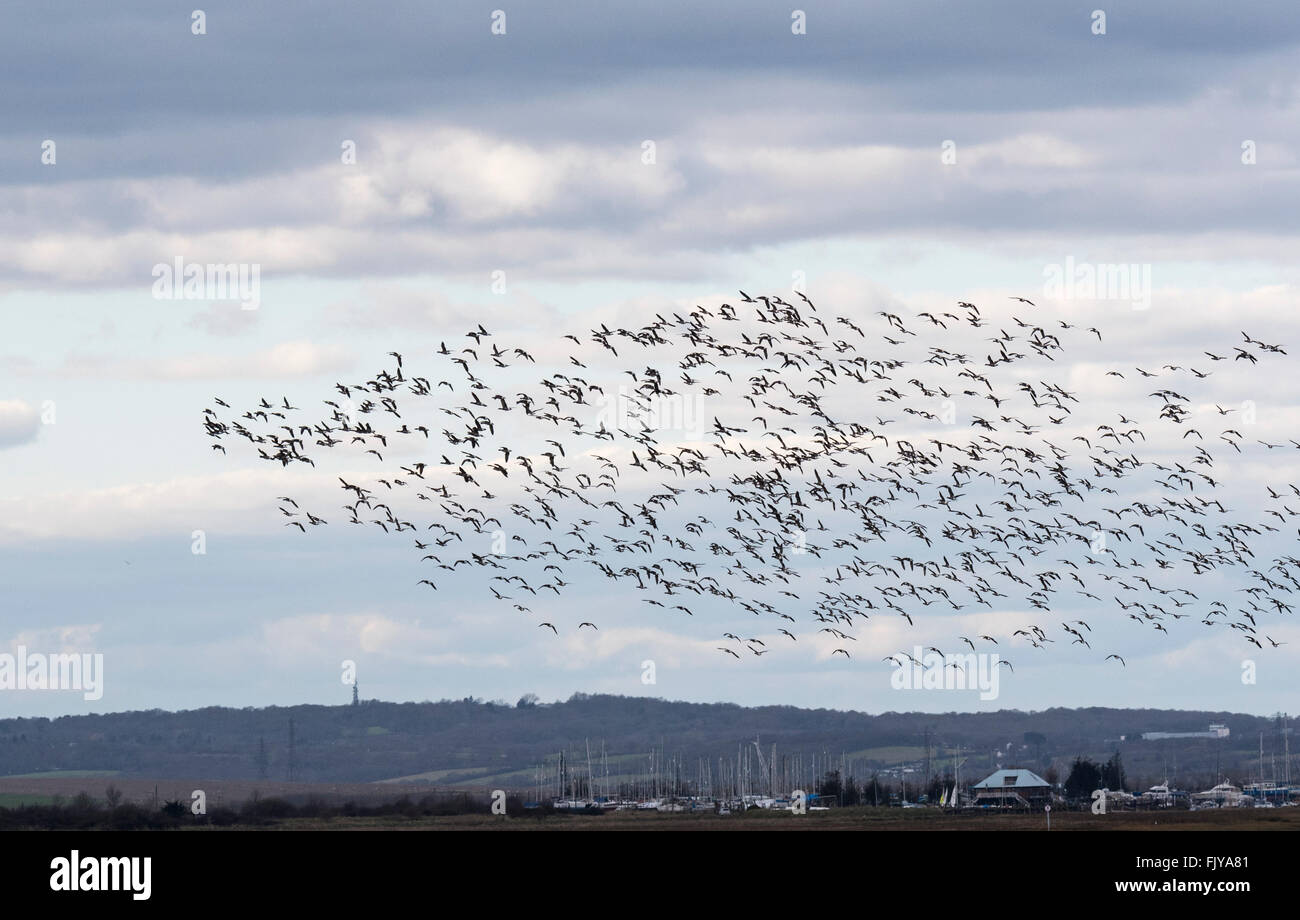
1013 789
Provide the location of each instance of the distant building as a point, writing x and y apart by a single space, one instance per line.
1214 731
1013 788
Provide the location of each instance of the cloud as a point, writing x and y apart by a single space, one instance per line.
464 200
311 637
388 305
225 319
817 152
79 637
229 502
283 361
19 423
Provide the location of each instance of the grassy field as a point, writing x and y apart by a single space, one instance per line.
891 756
847 819
435 776
17 800
219 792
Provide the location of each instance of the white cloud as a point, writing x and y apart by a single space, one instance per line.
316 637
282 361
50 640
233 502
19 423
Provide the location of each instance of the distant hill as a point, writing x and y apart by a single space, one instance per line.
474 743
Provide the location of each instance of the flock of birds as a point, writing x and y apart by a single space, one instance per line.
817 471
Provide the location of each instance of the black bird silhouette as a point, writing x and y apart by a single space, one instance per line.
782 483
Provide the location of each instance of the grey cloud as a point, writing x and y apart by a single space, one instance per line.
136 62
227 144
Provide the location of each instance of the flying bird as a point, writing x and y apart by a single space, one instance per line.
811 442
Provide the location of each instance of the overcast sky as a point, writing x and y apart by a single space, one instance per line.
611 163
